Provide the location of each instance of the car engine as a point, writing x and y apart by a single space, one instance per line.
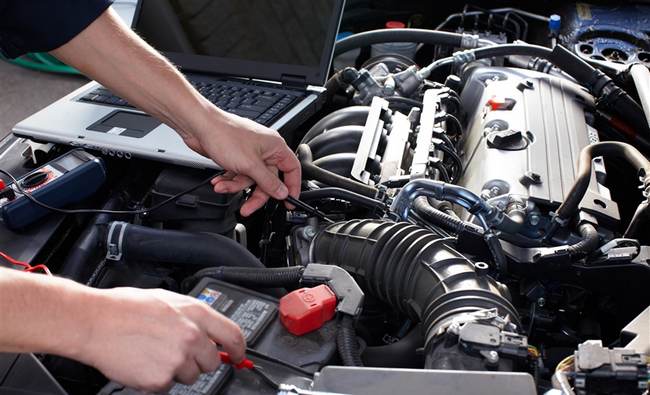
474 220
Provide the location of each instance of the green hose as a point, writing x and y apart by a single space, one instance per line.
41 61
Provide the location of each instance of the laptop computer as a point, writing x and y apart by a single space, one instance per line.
260 59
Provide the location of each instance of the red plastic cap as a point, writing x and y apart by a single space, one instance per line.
307 309
2 185
395 25
498 103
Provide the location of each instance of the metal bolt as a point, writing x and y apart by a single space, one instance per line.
534 219
308 232
493 357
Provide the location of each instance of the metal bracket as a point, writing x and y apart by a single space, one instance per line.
347 290
430 106
369 139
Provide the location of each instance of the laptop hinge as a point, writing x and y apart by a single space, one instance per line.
294 81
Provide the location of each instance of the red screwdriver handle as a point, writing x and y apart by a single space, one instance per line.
245 364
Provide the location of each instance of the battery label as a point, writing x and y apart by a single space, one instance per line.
204 385
252 314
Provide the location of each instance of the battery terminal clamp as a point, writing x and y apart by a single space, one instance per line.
308 309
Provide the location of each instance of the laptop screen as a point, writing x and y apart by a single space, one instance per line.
251 38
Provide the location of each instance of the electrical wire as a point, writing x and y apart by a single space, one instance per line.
533 352
565 364
144 211
457 167
455 121
26 266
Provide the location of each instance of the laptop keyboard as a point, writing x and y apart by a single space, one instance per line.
250 101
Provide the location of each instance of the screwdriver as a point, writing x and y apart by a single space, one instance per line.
250 365
310 209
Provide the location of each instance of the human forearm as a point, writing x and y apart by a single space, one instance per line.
108 48
43 314
253 154
140 338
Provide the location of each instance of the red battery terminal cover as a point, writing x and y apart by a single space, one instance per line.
307 309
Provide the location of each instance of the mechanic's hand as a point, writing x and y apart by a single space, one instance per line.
146 339
252 154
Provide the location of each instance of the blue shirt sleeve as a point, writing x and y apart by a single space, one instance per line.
44 25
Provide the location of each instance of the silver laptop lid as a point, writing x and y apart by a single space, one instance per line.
279 40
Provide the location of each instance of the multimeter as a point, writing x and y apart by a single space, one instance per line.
67 179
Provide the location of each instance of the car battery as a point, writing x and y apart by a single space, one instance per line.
285 357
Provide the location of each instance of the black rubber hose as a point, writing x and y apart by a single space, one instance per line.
455 225
589 243
284 277
313 172
457 194
347 343
431 37
511 49
607 149
412 270
87 249
404 101
342 194
355 115
189 249
401 354
595 80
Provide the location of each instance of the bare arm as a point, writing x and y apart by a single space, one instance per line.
140 338
112 54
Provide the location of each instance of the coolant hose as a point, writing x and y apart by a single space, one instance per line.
86 250
423 36
355 115
453 224
590 241
442 191
607 149
283 277
311 171
412 270
400 354
342 194
595 80
347 343
139 243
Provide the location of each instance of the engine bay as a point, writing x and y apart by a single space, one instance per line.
475 217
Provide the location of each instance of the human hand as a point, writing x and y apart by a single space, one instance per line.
251 154
146 339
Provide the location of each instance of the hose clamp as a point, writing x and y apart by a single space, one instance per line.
115 240
469 41
463 57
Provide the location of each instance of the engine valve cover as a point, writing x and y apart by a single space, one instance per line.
525 131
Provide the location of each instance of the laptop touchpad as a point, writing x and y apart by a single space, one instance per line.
126 124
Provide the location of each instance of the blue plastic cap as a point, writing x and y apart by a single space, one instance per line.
343 35
555 23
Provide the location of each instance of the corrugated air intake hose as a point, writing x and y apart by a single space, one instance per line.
415 272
